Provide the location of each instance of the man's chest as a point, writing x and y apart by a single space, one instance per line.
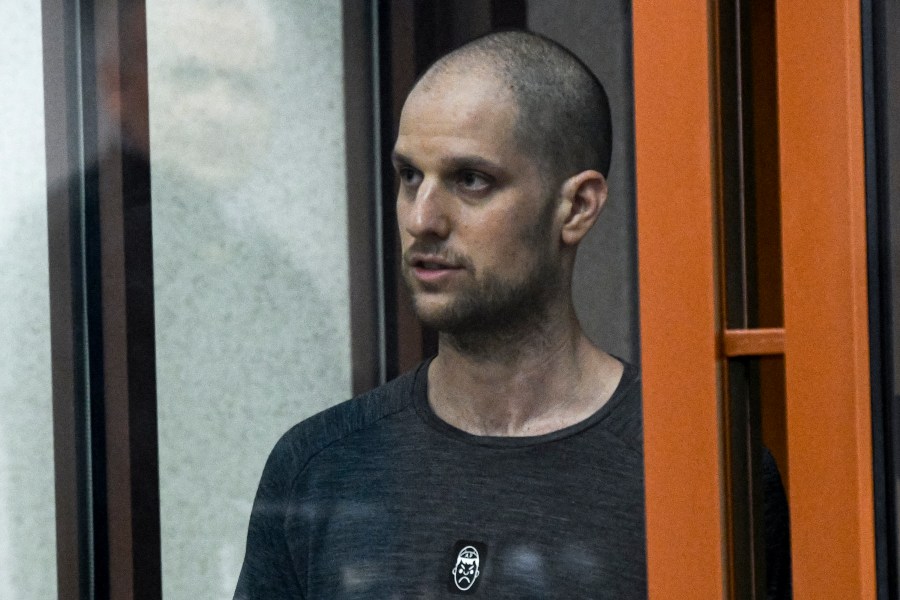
495 526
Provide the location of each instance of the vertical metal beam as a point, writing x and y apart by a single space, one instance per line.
126 283
734 129
880 58
825 299
679 309
101 290
363 208
74 542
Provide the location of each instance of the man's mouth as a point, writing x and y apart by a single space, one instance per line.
431 266
432 269
430 261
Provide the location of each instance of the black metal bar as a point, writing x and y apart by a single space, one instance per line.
75 498
367 343
386 41
736 189
93 298
876 85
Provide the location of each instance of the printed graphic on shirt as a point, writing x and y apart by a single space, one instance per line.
469 559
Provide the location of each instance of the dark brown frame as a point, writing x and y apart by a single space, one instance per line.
367 308
101 290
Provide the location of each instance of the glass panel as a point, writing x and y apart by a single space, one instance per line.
250 258
605 282
27 508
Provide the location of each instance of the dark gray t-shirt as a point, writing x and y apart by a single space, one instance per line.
377 498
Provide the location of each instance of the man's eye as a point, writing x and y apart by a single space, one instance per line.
408 176
473 181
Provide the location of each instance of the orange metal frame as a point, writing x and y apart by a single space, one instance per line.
677 253
825 337
825 302
753 342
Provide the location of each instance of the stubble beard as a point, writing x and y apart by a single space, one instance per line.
495 304
495 311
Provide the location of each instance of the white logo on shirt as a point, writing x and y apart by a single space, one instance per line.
466 570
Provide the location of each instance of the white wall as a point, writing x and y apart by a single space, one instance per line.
27 525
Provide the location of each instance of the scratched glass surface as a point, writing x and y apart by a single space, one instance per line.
250 258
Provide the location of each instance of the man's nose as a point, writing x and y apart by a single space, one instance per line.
427 214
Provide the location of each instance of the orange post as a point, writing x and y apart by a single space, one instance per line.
825 302
679 313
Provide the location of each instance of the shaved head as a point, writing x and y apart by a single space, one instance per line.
563 117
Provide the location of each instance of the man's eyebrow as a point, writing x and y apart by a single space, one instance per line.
472 162
398 158
452 162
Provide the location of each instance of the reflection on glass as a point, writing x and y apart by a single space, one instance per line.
27 515
250 258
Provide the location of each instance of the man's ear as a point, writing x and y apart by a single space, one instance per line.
582 198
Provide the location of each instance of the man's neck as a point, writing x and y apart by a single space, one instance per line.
531 384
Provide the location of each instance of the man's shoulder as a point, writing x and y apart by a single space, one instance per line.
311 436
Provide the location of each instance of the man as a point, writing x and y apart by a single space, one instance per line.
509 465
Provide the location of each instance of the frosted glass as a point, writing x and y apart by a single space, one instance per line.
250 258
27 513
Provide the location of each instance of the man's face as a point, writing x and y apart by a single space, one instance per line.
478 227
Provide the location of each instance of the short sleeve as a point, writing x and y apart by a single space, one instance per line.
268 571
